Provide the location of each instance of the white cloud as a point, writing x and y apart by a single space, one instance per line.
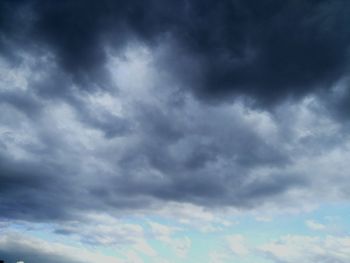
132 257
263 218
143 247
163 233
237 244
306 249
218 256
181 246
103 229
313 225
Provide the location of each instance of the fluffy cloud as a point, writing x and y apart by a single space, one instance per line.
95 150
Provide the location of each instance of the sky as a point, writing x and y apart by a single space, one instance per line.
168 131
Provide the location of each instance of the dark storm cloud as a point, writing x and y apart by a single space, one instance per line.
31 191
24 102
178 149
16 247
270 50
171 154
187 154
30 255
267 50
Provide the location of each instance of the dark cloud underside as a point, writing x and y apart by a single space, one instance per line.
60 154
267 50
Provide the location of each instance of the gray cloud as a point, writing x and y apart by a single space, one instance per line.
15 247
105 106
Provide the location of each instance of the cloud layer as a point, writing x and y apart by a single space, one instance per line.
99 111
161 107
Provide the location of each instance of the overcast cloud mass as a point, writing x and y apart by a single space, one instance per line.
127 123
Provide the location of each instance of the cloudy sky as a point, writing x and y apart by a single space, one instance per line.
175 131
